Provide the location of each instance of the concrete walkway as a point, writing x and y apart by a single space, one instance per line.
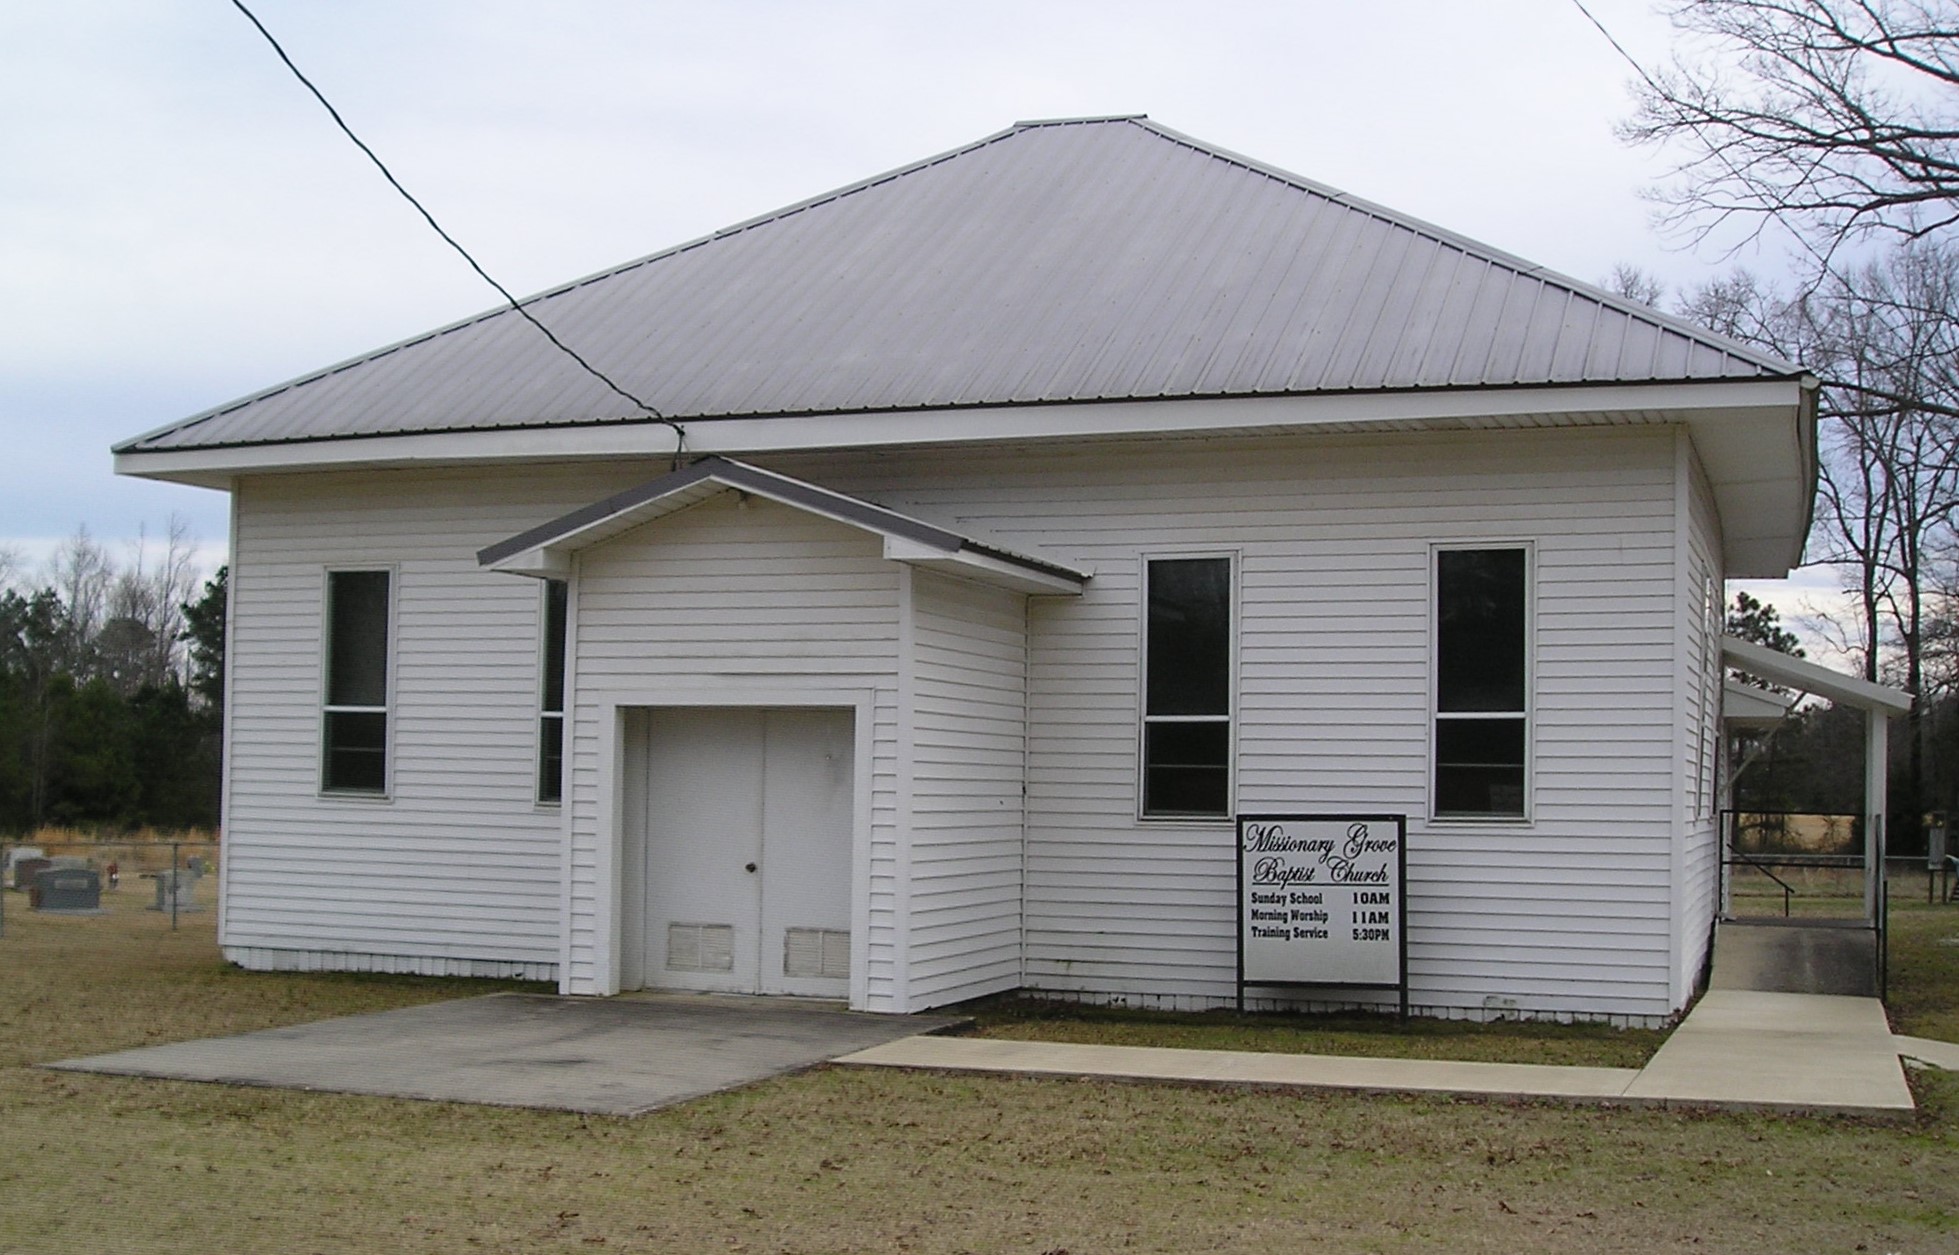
1787 1024
612 1056
1741 1049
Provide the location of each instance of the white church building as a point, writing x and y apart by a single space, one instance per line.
1010 523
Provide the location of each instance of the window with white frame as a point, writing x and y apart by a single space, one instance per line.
1482 682
551 695
1707 762
1187 685
354 723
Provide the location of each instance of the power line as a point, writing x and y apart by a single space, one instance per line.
1823 263
680 432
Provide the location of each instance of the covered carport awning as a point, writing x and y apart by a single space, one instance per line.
1878 702
545 551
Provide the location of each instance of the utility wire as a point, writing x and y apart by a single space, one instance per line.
680 432
1823 263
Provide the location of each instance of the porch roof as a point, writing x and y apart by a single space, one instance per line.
545 551
1745 706
1808 677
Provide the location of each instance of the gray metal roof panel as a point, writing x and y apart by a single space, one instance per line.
1053 262
682 487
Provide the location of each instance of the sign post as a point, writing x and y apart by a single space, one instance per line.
1320 902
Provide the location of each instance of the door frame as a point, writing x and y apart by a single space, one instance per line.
619 870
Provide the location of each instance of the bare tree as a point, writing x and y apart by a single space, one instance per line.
1833 118
140 642
1635 284
80 573
1888 492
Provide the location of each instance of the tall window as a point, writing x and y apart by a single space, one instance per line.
354 737
551 697
1187 688
1481 681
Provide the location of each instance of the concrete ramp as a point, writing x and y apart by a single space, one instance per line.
1780 1050
1796 957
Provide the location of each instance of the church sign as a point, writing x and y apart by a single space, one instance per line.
1320 901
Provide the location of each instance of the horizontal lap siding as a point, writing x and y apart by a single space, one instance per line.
458 871
968 723
1566 915
1705 738
733 591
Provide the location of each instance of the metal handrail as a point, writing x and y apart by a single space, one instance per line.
1788 890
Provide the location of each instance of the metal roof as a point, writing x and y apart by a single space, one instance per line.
1054 262
542 550
1806 676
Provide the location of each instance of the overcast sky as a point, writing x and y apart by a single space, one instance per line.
180 223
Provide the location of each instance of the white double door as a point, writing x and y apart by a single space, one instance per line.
748 819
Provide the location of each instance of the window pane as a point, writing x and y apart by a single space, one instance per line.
356 752
554 645
357 642
1479 766
1480 630
1189 668
1185 768
551 758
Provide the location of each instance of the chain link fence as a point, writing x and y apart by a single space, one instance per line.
135 878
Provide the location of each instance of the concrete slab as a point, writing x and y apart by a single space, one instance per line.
1940 1054
1796 958
613 1056
971 1054
1779 1050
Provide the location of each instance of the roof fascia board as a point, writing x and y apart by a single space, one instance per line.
970 563
1807 676
733 436
1705 407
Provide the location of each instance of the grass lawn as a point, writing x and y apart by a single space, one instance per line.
1384 1036
870 1160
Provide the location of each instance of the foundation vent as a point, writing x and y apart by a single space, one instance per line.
816 952
700 947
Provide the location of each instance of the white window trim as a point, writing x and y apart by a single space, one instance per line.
1528 815
1144 719
564 696
327 571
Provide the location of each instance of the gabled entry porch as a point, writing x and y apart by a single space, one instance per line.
796 742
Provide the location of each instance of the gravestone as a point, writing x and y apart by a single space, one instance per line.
26 869
67 891
179 884
11 860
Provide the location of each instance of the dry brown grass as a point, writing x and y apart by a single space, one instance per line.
841 1160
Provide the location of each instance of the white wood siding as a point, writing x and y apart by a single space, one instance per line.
730 592
458 869
1575 913
1566 915
1701 751
966 715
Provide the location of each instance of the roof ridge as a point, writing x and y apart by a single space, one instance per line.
1474 247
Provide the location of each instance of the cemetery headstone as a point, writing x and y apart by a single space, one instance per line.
177 883
26 869
68 891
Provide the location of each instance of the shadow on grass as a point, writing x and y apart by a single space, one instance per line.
1334 1033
